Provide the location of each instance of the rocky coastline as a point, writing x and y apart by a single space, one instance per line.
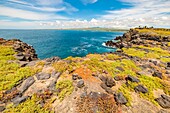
134 79
133 36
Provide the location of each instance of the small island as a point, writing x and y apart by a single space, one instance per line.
134 79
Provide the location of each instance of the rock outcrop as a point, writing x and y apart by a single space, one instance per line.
24 51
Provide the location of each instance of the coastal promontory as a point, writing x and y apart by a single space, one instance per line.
134 79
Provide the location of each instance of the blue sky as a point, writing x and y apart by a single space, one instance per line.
84 13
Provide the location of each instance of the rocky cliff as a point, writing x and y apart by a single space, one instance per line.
135 79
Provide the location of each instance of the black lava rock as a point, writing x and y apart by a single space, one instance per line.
56 75
26 84
110 82
132 79
74 77
42 76
80 84
2 108
18 100
107 89
141 88
157 74
117 78
102 78
168 64
163 101
119 98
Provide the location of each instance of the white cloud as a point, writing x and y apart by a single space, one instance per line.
49 2
44 5
93 20
49 9
142 12
19 2
29 15
89 1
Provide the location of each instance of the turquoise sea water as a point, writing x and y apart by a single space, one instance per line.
63 43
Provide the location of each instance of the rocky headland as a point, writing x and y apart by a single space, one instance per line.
134 79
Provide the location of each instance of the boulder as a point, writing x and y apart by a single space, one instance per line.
168 64
166 97
80 84
163 101
18 100
107 89
23 63
43 76
26 84
20 58
20 54
110 82
31 63
155 62
2 108
74 76
56 75
53 59
141 88
157 74
52 85
14 89
119 98
132 79
102 78
117 78
84 94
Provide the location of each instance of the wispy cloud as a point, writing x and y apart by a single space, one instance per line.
28 15
89 1
35 9
148 12
19 2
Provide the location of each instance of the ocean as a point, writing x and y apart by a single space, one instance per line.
63 43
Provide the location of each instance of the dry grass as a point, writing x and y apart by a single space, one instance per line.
98 104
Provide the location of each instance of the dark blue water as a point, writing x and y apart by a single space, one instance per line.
62 43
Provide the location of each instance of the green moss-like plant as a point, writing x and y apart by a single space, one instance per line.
9 80
60 66
11 73
168 44
29 106
152 55
152 83
112 56
126 93
65 88
165 59
111 66
161 32
134 52
157 50
97 56
6 53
